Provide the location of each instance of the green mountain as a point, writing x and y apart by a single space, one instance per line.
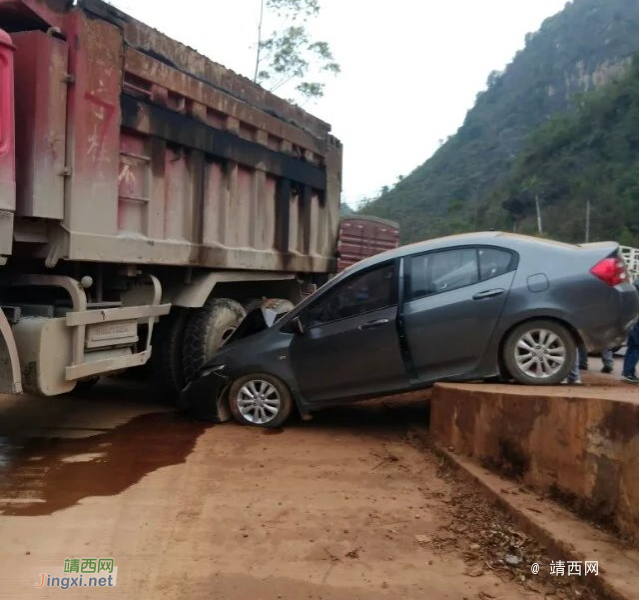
586 46
345 210
581 169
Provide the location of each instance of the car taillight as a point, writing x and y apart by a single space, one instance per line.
611 271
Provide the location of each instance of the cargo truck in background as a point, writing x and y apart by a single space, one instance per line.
361 236
148 197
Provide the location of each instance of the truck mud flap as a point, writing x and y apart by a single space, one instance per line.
10 374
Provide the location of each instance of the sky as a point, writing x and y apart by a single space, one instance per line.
411 69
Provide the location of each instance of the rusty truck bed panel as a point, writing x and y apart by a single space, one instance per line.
362 236
167 157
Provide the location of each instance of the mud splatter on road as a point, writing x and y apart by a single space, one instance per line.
47 474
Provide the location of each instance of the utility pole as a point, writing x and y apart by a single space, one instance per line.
587 221
258 57
539 227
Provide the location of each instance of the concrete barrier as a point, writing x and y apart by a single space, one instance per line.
579 445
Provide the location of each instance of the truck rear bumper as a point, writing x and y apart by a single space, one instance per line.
124 323
57 351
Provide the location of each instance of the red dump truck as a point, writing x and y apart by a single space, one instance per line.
361 236
148 196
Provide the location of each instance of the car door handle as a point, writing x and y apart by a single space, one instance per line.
373 324
488 294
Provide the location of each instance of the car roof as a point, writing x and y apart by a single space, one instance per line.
490 238
511 241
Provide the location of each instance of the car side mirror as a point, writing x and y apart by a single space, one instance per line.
298 326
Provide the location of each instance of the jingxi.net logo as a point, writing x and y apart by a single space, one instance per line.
81 572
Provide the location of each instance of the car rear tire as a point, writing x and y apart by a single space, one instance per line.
260 400
540 352
206 330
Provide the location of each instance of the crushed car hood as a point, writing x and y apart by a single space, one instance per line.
256 321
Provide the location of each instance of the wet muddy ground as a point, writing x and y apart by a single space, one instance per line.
349 505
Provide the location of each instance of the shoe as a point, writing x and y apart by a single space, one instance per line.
583 367
575 382
607 370
630 378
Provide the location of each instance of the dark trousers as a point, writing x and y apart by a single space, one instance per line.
632 353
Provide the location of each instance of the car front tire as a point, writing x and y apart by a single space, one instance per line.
260 400
540 352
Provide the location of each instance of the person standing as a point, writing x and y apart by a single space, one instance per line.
631 359
629 373
607 359
574 377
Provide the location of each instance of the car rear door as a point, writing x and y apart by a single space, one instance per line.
454 299
351 346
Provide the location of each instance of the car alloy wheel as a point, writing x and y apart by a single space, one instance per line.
258 401
540 353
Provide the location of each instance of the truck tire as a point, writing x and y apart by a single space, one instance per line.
252 304
206 330
165 364
279 305
83 386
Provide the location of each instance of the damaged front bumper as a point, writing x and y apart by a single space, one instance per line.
203 398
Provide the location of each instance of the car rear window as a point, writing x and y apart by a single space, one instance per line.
448 270
494 262
443 271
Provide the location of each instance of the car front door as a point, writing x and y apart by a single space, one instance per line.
454 299
350 346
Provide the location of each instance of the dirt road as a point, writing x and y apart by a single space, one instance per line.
348 506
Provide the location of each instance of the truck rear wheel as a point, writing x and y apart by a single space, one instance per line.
279 305
166 356
83 386
206 330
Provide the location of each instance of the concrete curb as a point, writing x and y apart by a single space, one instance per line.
565 536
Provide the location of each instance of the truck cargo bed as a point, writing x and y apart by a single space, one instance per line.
136 149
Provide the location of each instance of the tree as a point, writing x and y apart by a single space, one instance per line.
290 54
493 78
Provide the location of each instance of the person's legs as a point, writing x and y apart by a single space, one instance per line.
632 356
608 361
574 377
582 357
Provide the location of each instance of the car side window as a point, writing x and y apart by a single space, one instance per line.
442 272
359 294
494 262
